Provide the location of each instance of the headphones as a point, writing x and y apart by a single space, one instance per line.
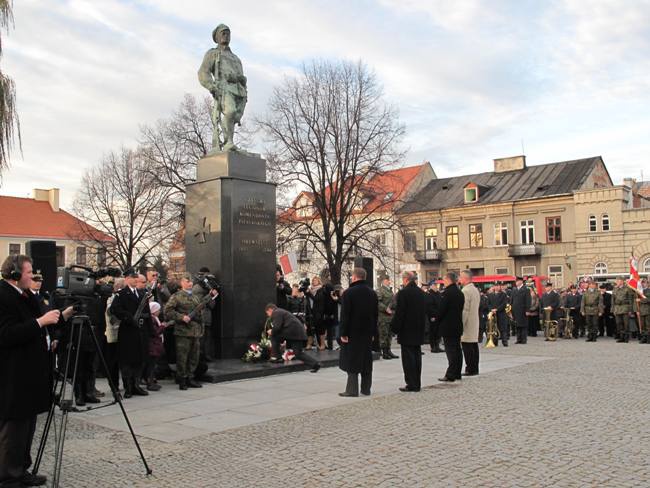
15 273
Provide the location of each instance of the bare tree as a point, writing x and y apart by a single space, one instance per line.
120 198
331 135
9 122
173 146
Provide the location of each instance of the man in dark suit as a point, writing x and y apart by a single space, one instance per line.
450 320
498 301
130 340
287 327
408 323
25 370
433 302
359 316
520 305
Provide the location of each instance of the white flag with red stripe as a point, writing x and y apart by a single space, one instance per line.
289 263
635 279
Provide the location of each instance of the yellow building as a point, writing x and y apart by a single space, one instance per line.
526 220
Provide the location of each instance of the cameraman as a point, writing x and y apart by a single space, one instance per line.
25 370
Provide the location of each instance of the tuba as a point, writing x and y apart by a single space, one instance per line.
568 324
492 331
550 326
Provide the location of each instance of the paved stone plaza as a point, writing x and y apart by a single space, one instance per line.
544 414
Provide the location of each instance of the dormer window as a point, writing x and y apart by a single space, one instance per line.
471 193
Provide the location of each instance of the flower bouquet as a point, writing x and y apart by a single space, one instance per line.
258 351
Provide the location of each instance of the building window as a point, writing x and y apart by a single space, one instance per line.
528 270
81 255
471 195
605 222
380 239
527 228
600 268
553 229
556 276
501 270
452 237
410 241
593 227
501 234
646 266
60 256
101 257
476 235
14 249
432 275
303 250
430 237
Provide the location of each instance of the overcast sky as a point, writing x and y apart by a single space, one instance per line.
474 80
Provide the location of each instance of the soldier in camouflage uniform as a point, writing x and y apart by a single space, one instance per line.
592 307
386 305
623 298
187 331
643 305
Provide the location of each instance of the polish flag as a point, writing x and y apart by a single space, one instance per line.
635 279
289 263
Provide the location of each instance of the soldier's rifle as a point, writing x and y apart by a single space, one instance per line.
205 301
137 317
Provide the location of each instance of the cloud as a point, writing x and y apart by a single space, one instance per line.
568 79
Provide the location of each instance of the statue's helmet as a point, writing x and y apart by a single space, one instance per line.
218 29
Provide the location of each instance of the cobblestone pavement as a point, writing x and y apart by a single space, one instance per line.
581 418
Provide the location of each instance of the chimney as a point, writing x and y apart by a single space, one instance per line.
513 163
629 182
51 196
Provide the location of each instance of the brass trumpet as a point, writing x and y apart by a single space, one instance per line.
492 331
568 324
550 326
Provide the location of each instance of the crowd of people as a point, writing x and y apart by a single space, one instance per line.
146 325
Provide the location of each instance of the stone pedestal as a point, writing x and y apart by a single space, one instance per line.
230 228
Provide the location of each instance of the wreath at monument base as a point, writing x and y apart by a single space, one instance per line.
258 351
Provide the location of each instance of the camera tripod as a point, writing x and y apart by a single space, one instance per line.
64 398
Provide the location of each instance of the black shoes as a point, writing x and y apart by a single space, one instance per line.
505 343
137 390
29 479
92 399
316 367
153 387
470 374
385 353
192 383
445 379
346 394
182 384
408 389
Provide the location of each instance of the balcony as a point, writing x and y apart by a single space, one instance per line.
429 255
518 250
303 256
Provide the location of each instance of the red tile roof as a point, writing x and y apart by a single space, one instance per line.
26 217
385 190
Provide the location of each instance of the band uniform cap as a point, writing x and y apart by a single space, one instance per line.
217 29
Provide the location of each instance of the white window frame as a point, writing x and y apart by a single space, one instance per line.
645 268
605 218
499 229
600 268
527 231
471 189
556 277
431 241
528 270
592 223
501 270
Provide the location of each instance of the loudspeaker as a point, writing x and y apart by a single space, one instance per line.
43 253
367 264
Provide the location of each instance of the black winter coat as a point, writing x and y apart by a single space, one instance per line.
359 316
520 305
25 362
287 326
410 315
283 291
450 314
132 338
